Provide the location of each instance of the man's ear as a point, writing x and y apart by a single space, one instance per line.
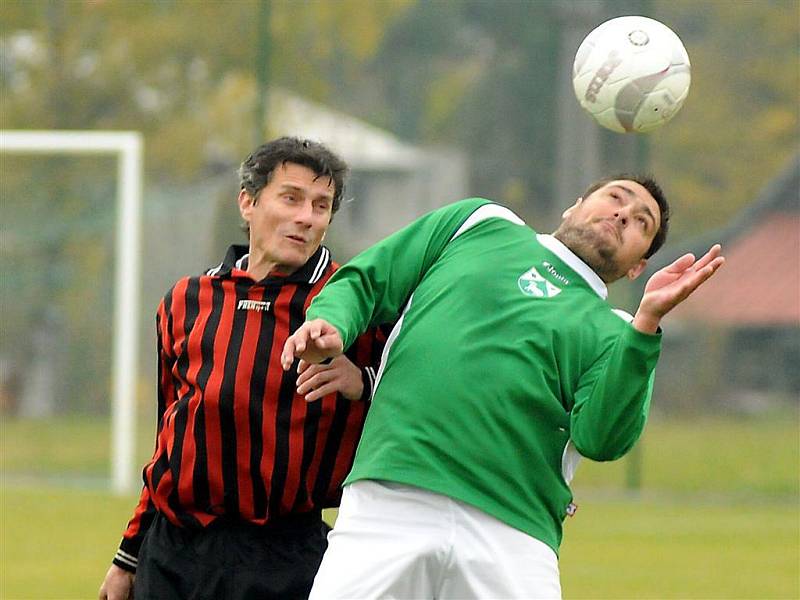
245 202
636 269
567 212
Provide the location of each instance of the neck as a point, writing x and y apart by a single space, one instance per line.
259 267
602 263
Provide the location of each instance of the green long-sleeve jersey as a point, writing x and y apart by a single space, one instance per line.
506 363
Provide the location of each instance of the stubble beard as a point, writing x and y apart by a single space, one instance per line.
591 248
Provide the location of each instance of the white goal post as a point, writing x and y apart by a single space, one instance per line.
127 147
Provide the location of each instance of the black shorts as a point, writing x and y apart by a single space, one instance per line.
230 560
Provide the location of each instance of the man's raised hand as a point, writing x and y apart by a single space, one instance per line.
314 341
672 285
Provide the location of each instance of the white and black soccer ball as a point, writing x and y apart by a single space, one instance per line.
631 74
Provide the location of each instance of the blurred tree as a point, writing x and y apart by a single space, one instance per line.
180 72
481 76
740 122
467 72
476 74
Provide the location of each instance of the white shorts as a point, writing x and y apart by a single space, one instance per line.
398 541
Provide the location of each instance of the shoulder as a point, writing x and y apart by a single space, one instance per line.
469 205
460 207
182 286
481 210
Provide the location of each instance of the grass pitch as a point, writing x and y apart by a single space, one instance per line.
656 548
58 543
716 515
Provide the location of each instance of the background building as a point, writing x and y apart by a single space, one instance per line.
736 345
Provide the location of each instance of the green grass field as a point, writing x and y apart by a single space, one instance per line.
717 515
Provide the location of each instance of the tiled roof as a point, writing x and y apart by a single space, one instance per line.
759 285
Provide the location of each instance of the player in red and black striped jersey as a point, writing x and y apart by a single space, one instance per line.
243 465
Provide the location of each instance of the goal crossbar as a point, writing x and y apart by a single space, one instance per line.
127 147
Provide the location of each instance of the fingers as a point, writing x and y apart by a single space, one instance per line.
297 343
694 279
314 329
688 260
313 341
339 376
708 257
704 274
290 350
310 375
321 391
673 284
680 265
317 381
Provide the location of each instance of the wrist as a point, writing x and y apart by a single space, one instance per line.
646 323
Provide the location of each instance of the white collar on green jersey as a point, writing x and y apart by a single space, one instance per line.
574 263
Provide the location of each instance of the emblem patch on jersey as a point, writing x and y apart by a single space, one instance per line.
533 284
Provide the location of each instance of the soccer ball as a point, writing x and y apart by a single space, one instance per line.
631 74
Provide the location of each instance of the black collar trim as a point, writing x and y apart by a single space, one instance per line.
311 272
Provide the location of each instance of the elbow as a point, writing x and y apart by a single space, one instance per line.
603 449
608 440
599 454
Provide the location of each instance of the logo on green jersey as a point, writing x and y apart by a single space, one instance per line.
533 284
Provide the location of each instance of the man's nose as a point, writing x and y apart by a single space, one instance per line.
304 213
622 216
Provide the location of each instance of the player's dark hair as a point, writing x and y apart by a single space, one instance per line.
257 169
649 183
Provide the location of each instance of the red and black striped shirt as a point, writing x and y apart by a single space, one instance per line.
234 438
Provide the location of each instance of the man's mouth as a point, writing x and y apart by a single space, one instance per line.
296 239
609 226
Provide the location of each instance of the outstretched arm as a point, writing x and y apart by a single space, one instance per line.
611 405
672 285
373 287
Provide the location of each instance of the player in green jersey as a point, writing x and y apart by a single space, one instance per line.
505 367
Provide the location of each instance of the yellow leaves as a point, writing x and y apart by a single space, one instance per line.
740 122
353 27
184 132
774 123
319 46
444 96
365 24
230 115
